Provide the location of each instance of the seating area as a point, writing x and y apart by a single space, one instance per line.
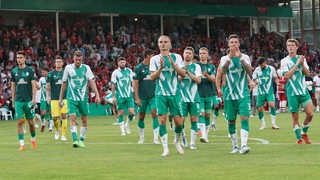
91 35
6 114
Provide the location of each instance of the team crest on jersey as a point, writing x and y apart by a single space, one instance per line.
22 81
59 81
148 77
27 74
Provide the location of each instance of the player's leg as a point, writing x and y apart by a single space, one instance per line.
55 114
141 124
184 114
84 112
155 126
24 124
170 118
273 112
175 110
43 111
155 120
50 118
260 103
308 109
293 106
131 112
230 114
207 112
120 104
201 121
317 95
253 105
73 106
244 112
114 112
194 113
64 121
215 112
37 116
19 114
30 113
162 109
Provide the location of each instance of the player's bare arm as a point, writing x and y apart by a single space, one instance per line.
136 92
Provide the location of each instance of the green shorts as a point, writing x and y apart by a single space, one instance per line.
190 107
125 102
206 103
22 108
295 101
233 107
82 106
261 99
171 103
44 106
145 103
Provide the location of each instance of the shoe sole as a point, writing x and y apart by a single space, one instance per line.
245 152
203 140
306 140
165 155
75 145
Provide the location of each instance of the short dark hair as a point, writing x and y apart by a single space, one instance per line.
233 36
148 52
45 69
196 57
21 53
261 60
120 59
58 57
78 53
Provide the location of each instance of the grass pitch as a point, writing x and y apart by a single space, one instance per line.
274 154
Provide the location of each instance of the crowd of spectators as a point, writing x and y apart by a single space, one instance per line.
37 36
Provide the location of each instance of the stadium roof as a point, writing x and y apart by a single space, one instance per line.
230 8
233 2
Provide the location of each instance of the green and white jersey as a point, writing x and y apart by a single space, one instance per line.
264 78
54 78
22 79
167 83
296 84
207 88
236 79
77 79
122 79
109 98
43 85
146 87
189 88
